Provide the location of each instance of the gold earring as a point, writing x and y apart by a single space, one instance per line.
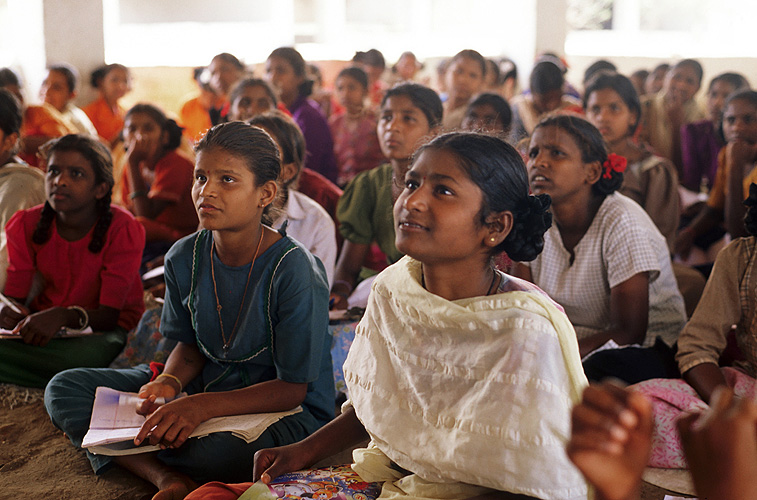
493 240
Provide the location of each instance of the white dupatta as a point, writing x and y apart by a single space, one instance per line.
476 391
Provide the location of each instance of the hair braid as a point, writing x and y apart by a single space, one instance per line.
42 231
100 231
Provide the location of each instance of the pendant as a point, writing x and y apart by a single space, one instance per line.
226 349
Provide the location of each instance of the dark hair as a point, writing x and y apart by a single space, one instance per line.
9 77
247 83
545 77
473 55
251 144
422 98
499 172
287 134
735 80
622 86
742 95
296 61
100 160
372 57
356 74
164 123
640 73
693 64
750 218
496 101
11 115
229 58
596 66
99 74
661 67
69 73
592 146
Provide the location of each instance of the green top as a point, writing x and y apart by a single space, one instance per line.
365 211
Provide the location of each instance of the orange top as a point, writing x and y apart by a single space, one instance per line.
107 121
41 121
195 119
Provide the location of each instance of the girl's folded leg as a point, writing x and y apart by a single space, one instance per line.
33 366
224 457
70 395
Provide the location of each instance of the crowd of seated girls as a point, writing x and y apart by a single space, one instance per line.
387 198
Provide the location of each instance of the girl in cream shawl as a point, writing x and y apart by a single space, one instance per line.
462 377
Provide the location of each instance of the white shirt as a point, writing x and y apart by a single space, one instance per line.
622 241
311 225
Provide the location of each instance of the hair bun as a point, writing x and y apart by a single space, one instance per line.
526 239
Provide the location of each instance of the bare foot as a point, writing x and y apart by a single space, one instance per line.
176 487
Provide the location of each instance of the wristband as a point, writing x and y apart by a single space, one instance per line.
137 194
173 377
83 317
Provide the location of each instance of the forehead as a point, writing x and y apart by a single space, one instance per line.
467 64
740 106
216 158
553 136
347 80
401 103
255 92
140 118
721 87
117 73
68 159
439 162
55 78
605 95
278 63
685 71
219 64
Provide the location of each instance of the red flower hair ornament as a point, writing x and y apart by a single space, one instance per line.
614 163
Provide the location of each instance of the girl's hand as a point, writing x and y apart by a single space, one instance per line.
270 463
140 149
150 392
338 302
39 328
740 155
611 439
10 318
172 423
721 447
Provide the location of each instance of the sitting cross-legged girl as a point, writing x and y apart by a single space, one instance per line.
728 299
463 377
87 252
604 260
248 307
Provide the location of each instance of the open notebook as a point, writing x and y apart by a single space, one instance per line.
115 423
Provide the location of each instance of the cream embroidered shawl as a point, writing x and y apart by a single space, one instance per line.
476 391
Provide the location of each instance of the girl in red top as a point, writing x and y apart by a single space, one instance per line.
87 253
156 179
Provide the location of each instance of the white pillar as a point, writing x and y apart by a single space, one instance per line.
73 33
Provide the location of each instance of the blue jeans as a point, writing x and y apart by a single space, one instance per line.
218 457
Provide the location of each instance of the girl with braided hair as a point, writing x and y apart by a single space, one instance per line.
87 253
604 260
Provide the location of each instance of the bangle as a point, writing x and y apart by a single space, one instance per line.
137 194
172 377
83 316
344 283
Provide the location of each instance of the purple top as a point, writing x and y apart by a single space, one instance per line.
319 144
700 145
